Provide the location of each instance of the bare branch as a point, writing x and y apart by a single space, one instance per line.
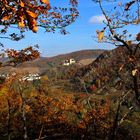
114 35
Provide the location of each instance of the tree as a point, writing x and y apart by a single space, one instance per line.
24 15
31 14
116 31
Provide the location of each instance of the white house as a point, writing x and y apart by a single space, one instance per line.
69 62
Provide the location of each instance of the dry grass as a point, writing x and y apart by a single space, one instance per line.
86 61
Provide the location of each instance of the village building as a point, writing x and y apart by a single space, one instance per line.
27 77
69 62
31 77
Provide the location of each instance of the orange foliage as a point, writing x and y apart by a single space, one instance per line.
44 109
31 13
26 54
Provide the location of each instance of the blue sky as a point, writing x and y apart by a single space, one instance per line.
80 36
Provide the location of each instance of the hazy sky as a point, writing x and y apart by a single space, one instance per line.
80 36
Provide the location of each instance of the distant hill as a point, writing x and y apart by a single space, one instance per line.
78 55
44 64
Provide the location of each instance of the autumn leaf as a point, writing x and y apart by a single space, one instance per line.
32 14
100 35
32 24
22 4
7 17
21 22
45 1
35 29
134 72
19 13
127 6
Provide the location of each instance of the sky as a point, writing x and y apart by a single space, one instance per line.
80 37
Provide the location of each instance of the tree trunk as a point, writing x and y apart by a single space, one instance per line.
135 84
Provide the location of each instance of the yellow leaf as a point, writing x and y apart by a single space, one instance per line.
134 72
32 24
35 29
100 35
32 14
22 4
21 22
45 1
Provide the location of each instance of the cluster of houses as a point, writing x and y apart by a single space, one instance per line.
28 77
31 77
35 76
